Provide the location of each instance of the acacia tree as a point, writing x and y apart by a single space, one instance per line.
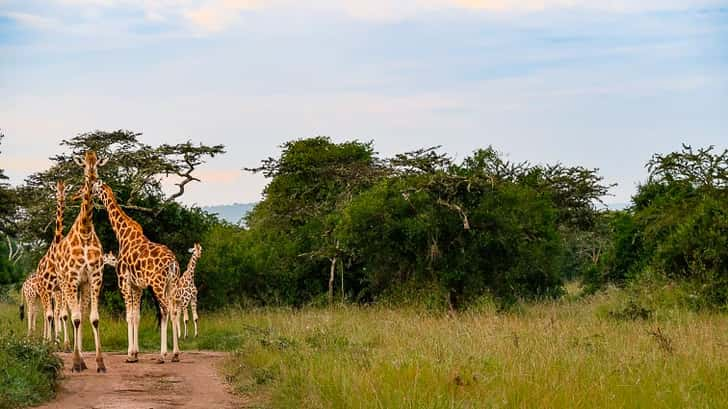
135 172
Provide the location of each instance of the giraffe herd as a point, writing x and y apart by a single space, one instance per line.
69 275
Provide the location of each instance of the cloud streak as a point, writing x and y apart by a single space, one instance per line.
215 16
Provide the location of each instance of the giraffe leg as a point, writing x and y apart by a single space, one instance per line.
64 323
29 317
57 307
164 307
137 320
82 300
129 305
193 305
163 336
95 289
179 326
185 319
175 333
31 314
35 317
70 292
134 307
45 299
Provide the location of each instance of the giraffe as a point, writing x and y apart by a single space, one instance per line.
45 279
141 263
30 292
80 266
185 291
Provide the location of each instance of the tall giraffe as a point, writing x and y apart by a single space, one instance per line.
44 281
80 266
141 263
185 291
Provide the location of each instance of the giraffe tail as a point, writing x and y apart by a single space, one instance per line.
22 307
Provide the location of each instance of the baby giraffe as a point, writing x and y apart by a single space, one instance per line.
32 288
185 291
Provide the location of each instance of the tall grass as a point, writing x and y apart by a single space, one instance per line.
573 354
547 356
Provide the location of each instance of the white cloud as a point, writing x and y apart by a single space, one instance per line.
32 20
217 15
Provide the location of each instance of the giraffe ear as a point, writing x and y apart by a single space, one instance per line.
102 161
79 161
78 195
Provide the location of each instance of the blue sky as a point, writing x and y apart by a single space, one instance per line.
602 84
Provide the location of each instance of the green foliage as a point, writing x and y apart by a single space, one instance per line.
30 370
337 218
678 226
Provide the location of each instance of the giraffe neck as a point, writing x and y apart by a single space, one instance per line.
125 228
191 266
60 207
84 220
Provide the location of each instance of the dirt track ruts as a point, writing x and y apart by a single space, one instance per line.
192 383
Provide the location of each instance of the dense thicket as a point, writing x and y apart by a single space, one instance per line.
338 219
677 226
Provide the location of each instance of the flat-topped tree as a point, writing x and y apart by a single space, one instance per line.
134 172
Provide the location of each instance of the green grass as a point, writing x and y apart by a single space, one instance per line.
564 354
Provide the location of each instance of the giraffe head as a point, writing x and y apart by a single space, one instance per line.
101 190
196 250
110 259
90 164
60 191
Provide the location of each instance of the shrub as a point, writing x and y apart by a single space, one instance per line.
29 371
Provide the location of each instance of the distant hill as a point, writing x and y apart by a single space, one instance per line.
232 213
617 206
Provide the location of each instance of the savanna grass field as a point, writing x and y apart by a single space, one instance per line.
573 353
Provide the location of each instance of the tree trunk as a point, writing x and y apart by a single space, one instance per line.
341 273
331 280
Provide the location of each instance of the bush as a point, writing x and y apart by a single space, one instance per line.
29 371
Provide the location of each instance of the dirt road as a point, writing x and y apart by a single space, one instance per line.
192 383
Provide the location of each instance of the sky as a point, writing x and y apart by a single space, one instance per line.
603 84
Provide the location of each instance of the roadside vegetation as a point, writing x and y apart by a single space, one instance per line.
596 351
29 369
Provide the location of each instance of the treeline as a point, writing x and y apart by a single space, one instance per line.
338 222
